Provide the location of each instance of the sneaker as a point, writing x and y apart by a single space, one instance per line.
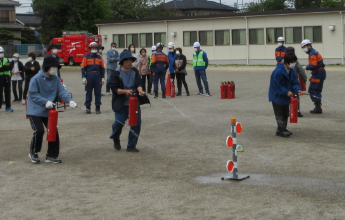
102 94
132 149
53 160
208 94
283 133
9 109
107 93
200 93
98 109
117 145
34 158
88 110
19 101
23 102
15 100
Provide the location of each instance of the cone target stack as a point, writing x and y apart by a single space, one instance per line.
227 89
231 142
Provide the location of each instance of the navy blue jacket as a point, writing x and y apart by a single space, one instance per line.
281 83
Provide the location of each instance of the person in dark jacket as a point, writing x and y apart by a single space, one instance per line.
5 81
17 71
125 82
179 66
31 69
283 86
53 53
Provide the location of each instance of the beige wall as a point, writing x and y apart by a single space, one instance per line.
331 47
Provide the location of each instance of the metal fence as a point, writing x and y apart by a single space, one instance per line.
24 49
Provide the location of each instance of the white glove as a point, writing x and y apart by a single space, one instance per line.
72 104
64 85
84 81
103 80
49 105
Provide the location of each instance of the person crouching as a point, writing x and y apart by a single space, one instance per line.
283 86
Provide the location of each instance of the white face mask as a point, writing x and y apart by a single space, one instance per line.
1 55
54 51
292 65
280 44
171 50
305 49
132 49
93 51
195 49
177 52
143 54
113 48
29 59
100 50
15 59
53 71
153 52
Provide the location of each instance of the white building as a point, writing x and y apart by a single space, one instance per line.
236 38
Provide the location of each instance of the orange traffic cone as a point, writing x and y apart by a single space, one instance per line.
168 86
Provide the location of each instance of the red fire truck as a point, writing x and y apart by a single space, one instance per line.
73 46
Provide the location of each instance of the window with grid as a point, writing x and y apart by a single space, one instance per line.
146 40
206 38
293 35
272 35
189 37
119 39
132 39
314 34
222 37
256 36
160 38
239 37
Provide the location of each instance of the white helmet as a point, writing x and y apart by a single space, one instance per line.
2 50
171 45
305 42
153 48
281 39
196 44
160 45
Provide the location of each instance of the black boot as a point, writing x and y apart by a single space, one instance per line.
98 109
163 94
156 94
317 109
117 145
88 110
187 92
178 93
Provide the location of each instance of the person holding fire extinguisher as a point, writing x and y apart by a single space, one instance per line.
44 87
92 72
124 83
283 86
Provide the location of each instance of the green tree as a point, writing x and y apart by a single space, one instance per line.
331 4
6 36
305 4
267 5
29 36
69 15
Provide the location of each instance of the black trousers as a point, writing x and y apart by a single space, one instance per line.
5 87
282 113
181 78
149 82
36 142
172 77
26 87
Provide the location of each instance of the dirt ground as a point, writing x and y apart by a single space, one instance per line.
177 173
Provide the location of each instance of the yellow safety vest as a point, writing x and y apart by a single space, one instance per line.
7 72
199 60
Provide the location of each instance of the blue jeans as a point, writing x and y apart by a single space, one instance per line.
93 83
120 119
107 87
20 89
201 74
161 76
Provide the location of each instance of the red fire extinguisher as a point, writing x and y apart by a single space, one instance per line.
293 110
52 125
228 90
223 90
26 108
303 86
133 111
173 90
233 89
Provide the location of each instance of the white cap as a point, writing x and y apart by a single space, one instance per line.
196 44
281 39
153 48
171 45
305 42
2 50
16 55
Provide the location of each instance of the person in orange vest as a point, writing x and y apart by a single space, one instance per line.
280 50
318 75
159 66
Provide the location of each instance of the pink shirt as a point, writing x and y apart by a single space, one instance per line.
144 65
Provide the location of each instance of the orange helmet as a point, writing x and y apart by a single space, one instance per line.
93 44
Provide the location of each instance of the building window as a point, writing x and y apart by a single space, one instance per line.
293 35
222 37
119 39
272 35
4 16
146 40
256 36
189 37
314 34
132 39
160 38
239 37
206 38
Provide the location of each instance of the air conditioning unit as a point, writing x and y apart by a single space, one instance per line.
331 27
173 34
105 36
